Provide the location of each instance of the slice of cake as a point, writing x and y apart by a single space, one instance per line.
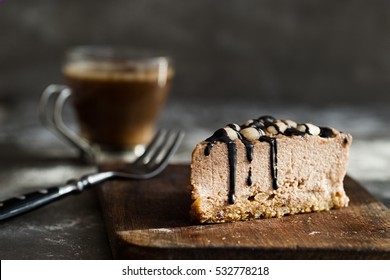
268 168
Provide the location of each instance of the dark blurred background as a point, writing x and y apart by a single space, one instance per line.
304 51
327 62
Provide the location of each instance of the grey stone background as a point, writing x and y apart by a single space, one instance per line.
304 51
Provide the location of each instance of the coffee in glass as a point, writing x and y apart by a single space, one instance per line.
117 94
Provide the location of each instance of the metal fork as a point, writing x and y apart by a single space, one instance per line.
149 164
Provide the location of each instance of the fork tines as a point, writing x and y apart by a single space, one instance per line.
161 148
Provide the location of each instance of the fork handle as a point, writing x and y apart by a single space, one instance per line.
22 204
28 202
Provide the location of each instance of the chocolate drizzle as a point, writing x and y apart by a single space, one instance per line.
326 132
273 159
249 181
232 152
261 124
249 149
292 131
222 136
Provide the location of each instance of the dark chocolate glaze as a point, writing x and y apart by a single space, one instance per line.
292 131
221 136
261 123
232 153
249 149
266 120
249 181
273 159
326 132
346 141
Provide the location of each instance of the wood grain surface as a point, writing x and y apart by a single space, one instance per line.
150 220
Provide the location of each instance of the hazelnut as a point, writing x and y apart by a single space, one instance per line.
309 128
313 129
234 126
301 127
251 133
272 130
248 123
290 123
280 126
231 133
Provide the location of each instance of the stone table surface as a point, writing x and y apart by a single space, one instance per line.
32 157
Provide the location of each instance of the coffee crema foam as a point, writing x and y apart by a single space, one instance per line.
117 72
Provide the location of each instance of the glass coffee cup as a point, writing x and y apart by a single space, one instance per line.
117 95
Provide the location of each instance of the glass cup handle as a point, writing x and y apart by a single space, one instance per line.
44 111
52 118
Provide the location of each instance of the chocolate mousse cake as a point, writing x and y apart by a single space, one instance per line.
268 168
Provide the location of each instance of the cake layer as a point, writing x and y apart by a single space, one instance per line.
278 171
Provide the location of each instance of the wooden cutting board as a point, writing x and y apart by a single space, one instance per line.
149 220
